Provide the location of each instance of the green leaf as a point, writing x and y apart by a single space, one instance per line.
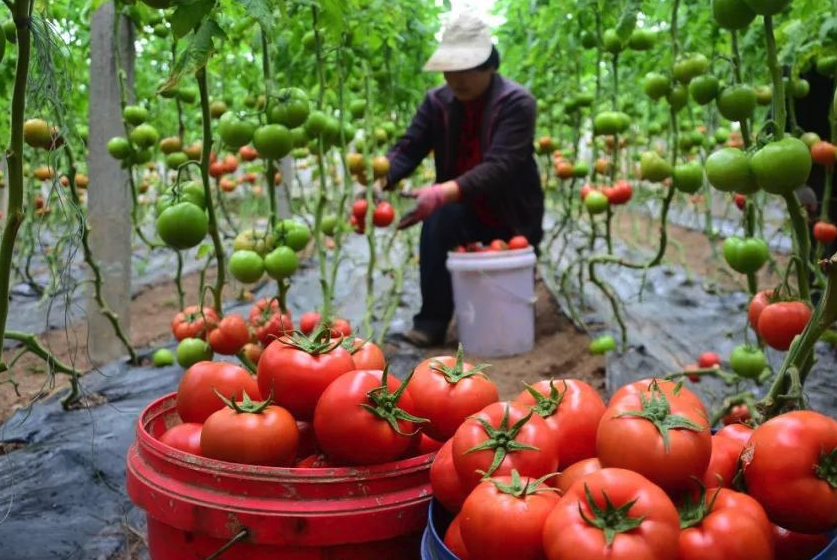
204 250
627 22
187 16
261 11
196 54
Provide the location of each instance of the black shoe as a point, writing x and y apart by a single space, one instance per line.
423 339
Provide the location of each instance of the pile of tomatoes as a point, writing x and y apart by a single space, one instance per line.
516 242
382 215
598 199
557 474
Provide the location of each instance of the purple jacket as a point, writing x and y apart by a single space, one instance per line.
508 174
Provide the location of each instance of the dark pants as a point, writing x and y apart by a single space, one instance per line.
448 227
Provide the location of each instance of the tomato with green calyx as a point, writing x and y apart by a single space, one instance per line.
171 145
135 114
688 177
268 322
119 147
732 14
272 141
504 516
163 357
184 437
612 514
789 467
500 438
780 322
190 351
144 136
783 166
704 89
446 390
728 170
576 472
690 67
253 240
281 263
293 234
678 98
767 7
251 433
737 103
298 370
642 39
182 225
290 113
764 95
825 232
654 168
246 266
726 524
745 255
602 345
827 65
611 122
235 132
747 361
670 437
193 322
596 202
365 353
230 336
573 410
800 88
656 85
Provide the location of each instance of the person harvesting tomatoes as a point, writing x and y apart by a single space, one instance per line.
481 128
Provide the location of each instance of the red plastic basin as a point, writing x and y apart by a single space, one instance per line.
196 505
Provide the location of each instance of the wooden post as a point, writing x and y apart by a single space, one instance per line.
109 197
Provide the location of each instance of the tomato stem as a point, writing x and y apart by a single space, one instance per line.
502 440
779 110
386 405
457 372
657 410
611 520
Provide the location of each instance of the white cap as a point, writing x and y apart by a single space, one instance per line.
466 43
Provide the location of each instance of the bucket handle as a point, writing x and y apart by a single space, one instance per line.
237 538
529 301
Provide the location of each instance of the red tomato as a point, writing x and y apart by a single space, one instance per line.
358 225
340 327
787 464
253 351
797 546
497 245
366 354
230 163
823 153
308 322
359 209
518 242
268 321
724 462
383 214
196 398
185 437
736 432
569 536
780 322
217 169
248 153
620 193
739 414
741 201
230 336
671 460
693 377
572 409
757 305
251 434
824 232
708 360
350 433
503 518
501 429
576 472
447 488
446 390
299 371
453 540
669 388
735 527
307 439
585 190
192 322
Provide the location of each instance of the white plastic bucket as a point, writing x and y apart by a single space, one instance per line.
494 298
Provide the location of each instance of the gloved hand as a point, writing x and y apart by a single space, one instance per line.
428 200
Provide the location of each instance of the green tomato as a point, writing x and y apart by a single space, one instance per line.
328 225
801 88
732 14
217 108
10 31
721 135
654 168
191 351
596 202
315 124
135 114
782 167
188 94
357 108
810 138
642 39
246 266
690 67
273 141
602 345
656 85
704 89
182 225
611 41
163 357
747 361
144 136
235 132
142 156
767 7
764 95
119 147
688 178
678 97
176 159
291 112
581 170
729 170
281 263
654 128
585 99
827 65
737 103
588 40
745 255
611 122
293 234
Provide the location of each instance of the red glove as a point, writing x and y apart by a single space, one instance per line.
428 200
